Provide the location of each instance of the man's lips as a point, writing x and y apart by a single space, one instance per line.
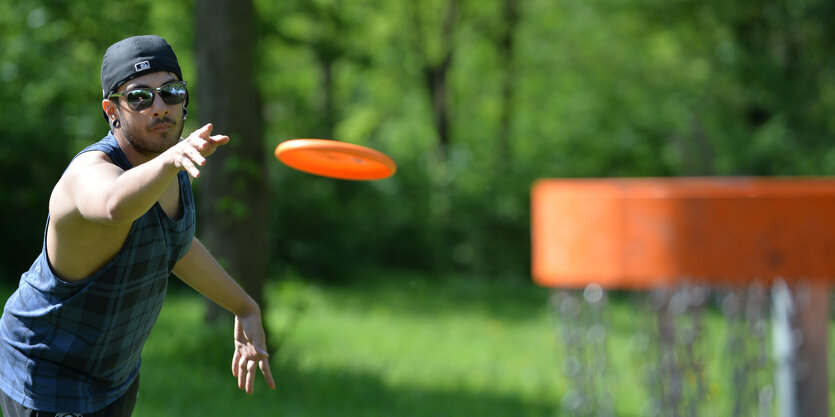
161 127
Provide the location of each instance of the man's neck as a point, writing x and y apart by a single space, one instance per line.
135 157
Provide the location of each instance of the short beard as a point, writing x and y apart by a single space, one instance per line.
137 136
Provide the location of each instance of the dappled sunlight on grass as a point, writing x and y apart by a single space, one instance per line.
360 350
446 339
406 345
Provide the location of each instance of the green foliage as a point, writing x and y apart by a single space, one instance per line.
601 89
598 89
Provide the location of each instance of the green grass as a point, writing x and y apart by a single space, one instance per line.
399 344
396 345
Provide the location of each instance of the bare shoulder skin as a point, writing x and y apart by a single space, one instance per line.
84 232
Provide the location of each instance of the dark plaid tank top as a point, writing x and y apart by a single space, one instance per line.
75 346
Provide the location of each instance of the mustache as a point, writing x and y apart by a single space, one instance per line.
161 121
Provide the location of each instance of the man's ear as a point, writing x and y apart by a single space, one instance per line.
109 108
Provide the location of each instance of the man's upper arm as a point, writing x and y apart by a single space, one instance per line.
84 188
186 263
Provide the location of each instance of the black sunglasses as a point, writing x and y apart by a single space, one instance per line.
142 98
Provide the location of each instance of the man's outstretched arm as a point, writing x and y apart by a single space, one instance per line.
201 271
102 192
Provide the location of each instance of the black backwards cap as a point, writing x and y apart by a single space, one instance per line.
133 57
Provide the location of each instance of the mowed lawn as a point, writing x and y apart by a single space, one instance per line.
401 344
391 345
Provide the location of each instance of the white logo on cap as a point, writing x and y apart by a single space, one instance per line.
140 66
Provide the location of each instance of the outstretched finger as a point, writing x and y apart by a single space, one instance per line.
219 139
195 156
201 133
242 373
189 167
268 375
204 130
250 376
235 360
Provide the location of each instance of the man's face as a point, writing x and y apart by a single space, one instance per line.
153 130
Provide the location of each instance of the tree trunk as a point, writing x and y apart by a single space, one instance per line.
232 189
507 52
327 106
436 69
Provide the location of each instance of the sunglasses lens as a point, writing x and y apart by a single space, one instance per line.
174 93
140 99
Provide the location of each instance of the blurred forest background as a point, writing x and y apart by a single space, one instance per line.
474 99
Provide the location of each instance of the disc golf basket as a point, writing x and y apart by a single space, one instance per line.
759 254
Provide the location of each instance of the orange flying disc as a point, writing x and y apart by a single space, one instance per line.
335 159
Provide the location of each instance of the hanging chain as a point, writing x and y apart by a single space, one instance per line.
676 378
582 329
670 351
746 312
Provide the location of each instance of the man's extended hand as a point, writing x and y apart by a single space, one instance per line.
194 149
250 352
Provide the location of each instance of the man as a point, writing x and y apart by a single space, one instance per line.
121 220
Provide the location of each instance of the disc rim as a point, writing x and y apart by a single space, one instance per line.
295 153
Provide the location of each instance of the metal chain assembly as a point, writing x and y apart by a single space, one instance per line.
670 342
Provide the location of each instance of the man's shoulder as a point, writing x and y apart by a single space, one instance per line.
90 157
94 153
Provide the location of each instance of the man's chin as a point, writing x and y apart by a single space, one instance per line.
167 137
154 143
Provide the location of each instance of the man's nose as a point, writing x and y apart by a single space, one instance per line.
158 106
